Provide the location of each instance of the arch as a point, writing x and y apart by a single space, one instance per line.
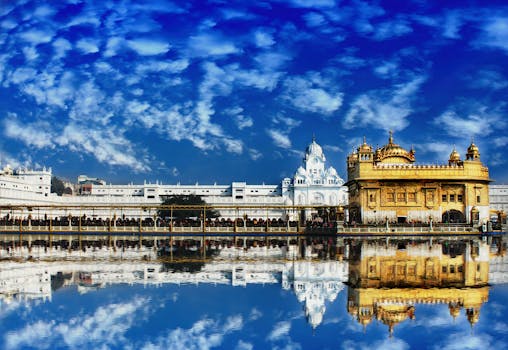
453 216
318 198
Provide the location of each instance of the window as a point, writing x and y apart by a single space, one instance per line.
452 269
460 268
411 197
444 269
459 198
452 198
371 198
478 199
401 197
390 197
443 198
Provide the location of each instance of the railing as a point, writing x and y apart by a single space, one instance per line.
369 230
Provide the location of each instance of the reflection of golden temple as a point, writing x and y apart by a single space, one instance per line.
393 306
388 280
386 184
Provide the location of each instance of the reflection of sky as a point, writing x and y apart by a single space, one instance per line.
254 317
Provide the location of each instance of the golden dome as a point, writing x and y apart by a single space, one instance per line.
365 147
473 153
454 156
393 153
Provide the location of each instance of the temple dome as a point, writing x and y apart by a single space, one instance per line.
393 153
454 157
300 171
332 171
473 153
314 149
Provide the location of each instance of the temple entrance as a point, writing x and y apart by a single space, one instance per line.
453 216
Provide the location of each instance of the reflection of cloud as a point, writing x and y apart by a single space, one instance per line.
386 344
466 340
106 326
204 334
280 330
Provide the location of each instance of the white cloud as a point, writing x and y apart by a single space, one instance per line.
501 141
313 3
244 345
205 45
87 46
262 38
391 29
37 36
254 154
495 33
148 47
314 19
32 134
309 94
175 66
387 69
487 79
332 148
279 331
61 46
384 109
279 139
474 121
113 45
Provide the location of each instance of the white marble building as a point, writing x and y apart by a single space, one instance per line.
498 196
312 184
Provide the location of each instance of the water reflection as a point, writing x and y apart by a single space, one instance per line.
383 282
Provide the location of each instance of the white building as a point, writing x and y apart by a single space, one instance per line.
312 184
498 196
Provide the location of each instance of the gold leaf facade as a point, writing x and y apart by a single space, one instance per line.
387 185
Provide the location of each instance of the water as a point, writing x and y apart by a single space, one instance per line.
327 295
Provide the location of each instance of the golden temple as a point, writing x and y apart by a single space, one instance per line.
386 184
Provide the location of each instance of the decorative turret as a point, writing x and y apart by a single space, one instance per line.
365 151
473 152
454 158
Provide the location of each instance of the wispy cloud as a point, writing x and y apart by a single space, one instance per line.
495 33
472 120
148 47
211 44
384 109
312 93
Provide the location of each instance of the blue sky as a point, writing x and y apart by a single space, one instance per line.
224 91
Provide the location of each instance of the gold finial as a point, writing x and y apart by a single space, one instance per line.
364 140
390 138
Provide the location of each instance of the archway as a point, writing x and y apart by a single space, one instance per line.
453 216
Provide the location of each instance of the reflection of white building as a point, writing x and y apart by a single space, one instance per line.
314 282
312 184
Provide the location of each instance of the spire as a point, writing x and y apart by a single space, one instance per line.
390 138
313 137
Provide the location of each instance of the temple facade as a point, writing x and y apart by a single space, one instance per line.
386 184
313 184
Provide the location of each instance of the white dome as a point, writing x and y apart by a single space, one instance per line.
314 149
300 171
332 171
